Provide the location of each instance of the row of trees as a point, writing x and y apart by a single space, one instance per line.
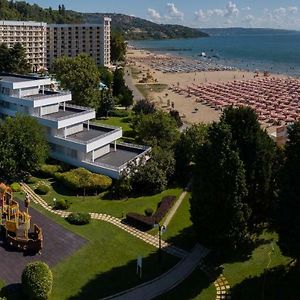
243 181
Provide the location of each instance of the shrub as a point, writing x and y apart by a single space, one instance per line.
119 113
62 204
42 189
79 218
144 106
122 188
148 212
16 187
147 222
81 178
37 281
50 170
31 180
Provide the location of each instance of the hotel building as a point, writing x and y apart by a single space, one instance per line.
73 137
45 42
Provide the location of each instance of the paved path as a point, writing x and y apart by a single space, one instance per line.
175 207
221 284
167 281
137 95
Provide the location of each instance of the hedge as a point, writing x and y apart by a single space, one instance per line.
148 222
79 218
37 281
16 187
62 204
148 212
42 189
79 179
50 170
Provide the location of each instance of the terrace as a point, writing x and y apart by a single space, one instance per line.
46 94
124 154
92 133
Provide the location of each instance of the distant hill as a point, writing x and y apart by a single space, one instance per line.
134 28
244 31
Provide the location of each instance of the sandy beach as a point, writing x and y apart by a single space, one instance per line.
146 74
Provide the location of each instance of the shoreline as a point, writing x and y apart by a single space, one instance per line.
158 86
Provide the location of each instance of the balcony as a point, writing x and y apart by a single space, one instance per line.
67 116
92 137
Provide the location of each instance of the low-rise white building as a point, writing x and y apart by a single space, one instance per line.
73 138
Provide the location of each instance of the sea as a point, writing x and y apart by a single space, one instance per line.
274 53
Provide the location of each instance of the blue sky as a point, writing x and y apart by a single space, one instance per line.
197 13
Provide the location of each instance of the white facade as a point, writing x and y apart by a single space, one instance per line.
73 138
45 42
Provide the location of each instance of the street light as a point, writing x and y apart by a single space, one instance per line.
161 229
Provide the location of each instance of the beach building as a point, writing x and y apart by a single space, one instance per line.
73 39
44 42
33 37
73 138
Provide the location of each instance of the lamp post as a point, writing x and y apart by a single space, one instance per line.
161 229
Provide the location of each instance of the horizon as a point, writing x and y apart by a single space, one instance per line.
275 14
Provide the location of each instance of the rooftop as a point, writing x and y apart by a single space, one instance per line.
93 133
118 158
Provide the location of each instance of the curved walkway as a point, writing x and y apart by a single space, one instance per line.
221 284
165 282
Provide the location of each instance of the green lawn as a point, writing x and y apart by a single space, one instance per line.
116 121
100 204
179 231
266 254
98 269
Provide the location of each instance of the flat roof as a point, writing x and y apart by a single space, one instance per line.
87 135
120 157
11 78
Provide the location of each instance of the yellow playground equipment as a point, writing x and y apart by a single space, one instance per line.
15 225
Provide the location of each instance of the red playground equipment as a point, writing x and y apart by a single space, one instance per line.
15 225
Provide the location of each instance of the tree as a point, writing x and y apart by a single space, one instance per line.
81 76
144 106
187 147
37 281
157 129
258 153
119 82
106 76
13 60
22 146
176 116
289 200
118 46
218 211
107 104
126 97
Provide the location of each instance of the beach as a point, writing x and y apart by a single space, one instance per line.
158 86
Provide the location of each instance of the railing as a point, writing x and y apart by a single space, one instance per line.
122 167
114 130
52 94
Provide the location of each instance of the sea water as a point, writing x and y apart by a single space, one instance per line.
275 53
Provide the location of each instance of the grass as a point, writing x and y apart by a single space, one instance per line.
266 254
135 73
179 231
146 89
100 204
122 122
98 269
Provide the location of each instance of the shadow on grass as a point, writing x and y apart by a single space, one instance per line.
12 292
185 239
124 277
275 284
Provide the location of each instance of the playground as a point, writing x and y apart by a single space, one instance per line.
57 242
